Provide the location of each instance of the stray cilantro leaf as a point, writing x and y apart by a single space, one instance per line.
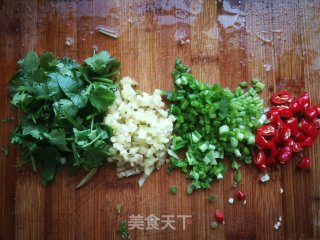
212 198
117 208
236 179
124 231
5 151
235 165
173 189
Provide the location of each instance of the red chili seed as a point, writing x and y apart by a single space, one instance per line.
241 196
219 216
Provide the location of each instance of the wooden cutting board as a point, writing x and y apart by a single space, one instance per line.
230 41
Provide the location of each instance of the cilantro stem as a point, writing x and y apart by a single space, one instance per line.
108 33
101 79
88 144
87 178
92 121
34 164
7 120
75 152
91 116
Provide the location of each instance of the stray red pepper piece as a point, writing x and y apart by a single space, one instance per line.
266 130
280 97
292 123
259 159
219 216
241 196
285 155
311 114
305 163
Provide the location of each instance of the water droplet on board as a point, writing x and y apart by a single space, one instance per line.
267 67
69 41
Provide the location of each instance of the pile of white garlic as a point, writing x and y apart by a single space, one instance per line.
142 130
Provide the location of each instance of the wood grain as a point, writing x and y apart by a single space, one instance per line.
231 41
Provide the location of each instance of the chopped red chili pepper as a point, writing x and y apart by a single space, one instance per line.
307 142
296 147
280 97
272 157
266 130
295 106
292 123
285 155
289 142
259 159
273 117
276 138
304 99
299 137
305 163
285 133
311 113
262 143
308 128
241 196
219 216
317 107
290 127
284 111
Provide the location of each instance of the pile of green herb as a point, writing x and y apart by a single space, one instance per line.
211 122
63 104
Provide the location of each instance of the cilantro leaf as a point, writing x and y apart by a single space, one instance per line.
45 61
101 97
57 137
72 88
30 63
98 62
34 130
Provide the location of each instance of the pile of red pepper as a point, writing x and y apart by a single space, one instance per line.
293 125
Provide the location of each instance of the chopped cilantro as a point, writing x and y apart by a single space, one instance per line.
63 105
